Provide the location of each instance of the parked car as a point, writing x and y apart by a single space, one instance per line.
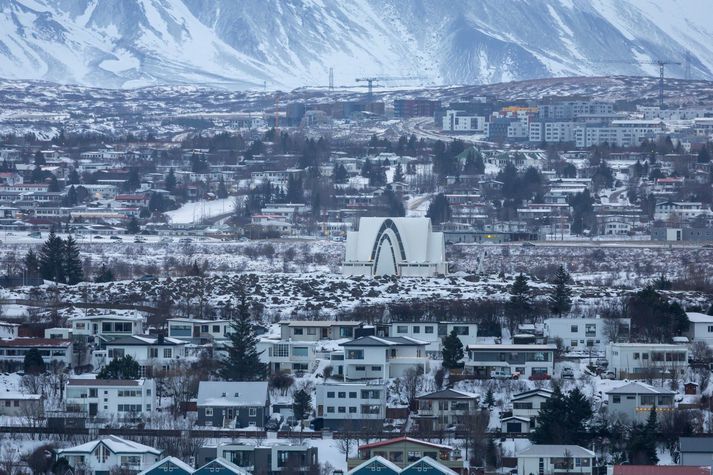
503 374
272 424
540 377
601 362
35 234
115 238
567 373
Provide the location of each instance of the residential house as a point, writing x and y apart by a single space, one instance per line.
585 334
169 466
109 398
658 470
526 407
14 403
530 361
375 464
271 458
233 404
423 466
696 451
100 456
107 326
371 357
555 459
53 351
637 360
315 330
287 355
199 331
351 405
8 330
150 352
220 467
701 328
403 451
434 332
440 410
633 401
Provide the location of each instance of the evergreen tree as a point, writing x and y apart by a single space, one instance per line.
51 258
40 159
133 181
520 292
222 192
301 404
641 445
562 419
105 274
73 273
366 169
34 364
243 361
704 155
32 265
398 173
491 454
294 190
340 174
120 368
54 185
439 210
74 177
489 398
452 350
133 226
561 295
71 198
171 181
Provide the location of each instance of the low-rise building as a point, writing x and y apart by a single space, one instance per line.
100 456
403 451
633 402
696 451
107 326
527 404
168 465
639 360
441 410
267 458
198 331
8 331
111 398
233 404
555 459
423 466
434 332
14 403
351 405
315 330
53 351
583 333
287 355
529 361
150 352
701 327
372 357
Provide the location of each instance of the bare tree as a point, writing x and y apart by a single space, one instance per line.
411 383
347 439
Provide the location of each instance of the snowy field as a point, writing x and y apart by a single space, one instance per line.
196 212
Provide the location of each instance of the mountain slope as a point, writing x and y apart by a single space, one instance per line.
285 44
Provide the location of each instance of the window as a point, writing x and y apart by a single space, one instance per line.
401 329
574 329
281 351
428 329
522 405
616 399
417 329
115 353
376 368
300 351
710 328
330 410
636 356
352 410
102 453
131 460
341 409
216 328
330 394
360 368
252 412
355 354
167 352
352 395
299 331
311 331
153 352
209 412
341 395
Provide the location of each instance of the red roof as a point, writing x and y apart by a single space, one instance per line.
130 197
660 470
39 342
406 439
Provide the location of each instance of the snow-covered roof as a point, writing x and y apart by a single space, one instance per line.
227 393
639 388
175 461
114 443
545 450
533 392
447 394
321 323
226 464
384 443
13 395
379 459
513 347
384 341
429 461
106 382
696 317
110 316
137 340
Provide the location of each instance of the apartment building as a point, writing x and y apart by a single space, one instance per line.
372 357
637 360
529 361
351 405
433 333
111 398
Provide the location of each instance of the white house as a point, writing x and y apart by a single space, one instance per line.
701 328
150 352
584 333
53 351
527 404
281 355
633 401
315 330
372 357
554 459
198 330
98 457
107 326
108 398
395 246
638 360
433 332
8 330
530 361
357 404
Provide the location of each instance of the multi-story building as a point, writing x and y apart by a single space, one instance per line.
372 357
53 351
101 456
351 405
109 398
440 410
315 330
583 333
233 404
287 355
555 459
150 352
403 451
701 327
434 332
198 331
637 360
683 211
529 361
107 326
272 458
419 107
633 402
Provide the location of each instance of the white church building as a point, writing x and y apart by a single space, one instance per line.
405 247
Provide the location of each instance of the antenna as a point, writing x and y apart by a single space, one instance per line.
331 79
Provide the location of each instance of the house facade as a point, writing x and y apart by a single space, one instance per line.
555 459
267 458
403 451
701 327
633 402
53 351
434 332
233 404
99 457
150 352
287 355
107 326
526 405
168 466
198 331
352 405
109 398
530 361
637 360
308 330
372 357
14 403
448 408
584 334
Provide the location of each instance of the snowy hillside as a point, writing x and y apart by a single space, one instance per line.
130 43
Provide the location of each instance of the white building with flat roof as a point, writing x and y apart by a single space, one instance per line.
639 360
355 404
405 247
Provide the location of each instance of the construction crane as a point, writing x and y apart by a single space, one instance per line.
371 80
661 64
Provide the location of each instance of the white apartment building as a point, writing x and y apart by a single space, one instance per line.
315 330
198 330
554 459
53 351
109 398
461 121
701 328
434 332
287 355
586 334
684 210
633 402
636 360
351 404
150 352
552 131
107 326
102 455
529 361
622 133
372 357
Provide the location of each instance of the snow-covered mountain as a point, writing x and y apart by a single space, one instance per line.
289 43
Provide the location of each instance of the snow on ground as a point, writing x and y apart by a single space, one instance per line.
197 211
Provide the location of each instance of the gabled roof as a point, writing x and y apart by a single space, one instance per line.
639 388
384 341
696 444
515 418
228 465
447 394
115 444
227 393
660 470
384 443
546 450
379 459
429 461
175 461
36 343
696 317
321 323
532 392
